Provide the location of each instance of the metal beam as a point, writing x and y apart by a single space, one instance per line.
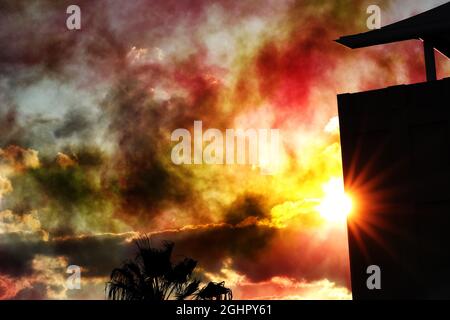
430 62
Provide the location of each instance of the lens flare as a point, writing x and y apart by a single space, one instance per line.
336 205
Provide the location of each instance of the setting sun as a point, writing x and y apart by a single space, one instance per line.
335 205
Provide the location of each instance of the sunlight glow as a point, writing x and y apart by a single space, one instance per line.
336 205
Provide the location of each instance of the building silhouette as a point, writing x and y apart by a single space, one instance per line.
396 162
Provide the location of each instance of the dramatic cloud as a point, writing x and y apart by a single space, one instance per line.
86 118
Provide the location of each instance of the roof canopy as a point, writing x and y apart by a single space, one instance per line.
432 26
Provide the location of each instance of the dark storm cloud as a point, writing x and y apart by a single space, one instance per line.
260 252
67 195
97 255
16 255
75 122
212 245
35 37
300 254
23 26
36 292
252 249
10 130
248 205
148 181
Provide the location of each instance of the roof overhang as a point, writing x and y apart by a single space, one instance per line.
432 26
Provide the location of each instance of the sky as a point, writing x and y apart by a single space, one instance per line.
86 118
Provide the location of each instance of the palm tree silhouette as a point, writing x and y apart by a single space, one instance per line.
214 291
152 276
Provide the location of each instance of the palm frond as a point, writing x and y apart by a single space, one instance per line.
153 276
188 291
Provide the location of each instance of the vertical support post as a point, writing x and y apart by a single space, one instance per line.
430 62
